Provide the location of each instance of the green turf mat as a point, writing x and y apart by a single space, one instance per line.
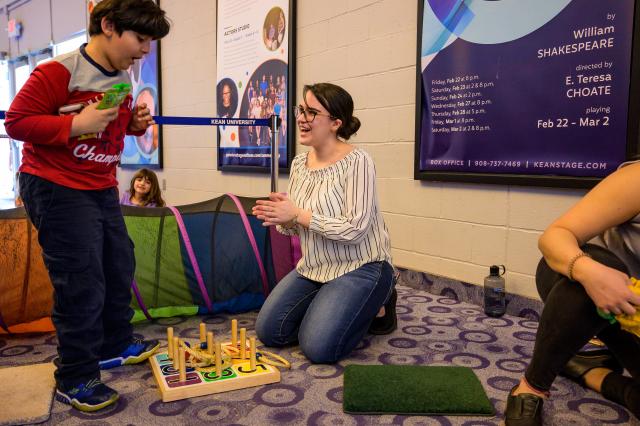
412 389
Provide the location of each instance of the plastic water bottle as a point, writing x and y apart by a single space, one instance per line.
494 292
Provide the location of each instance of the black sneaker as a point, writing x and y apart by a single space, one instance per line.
135 353
91 396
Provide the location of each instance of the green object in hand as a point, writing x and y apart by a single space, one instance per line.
609 317
628 322
114 96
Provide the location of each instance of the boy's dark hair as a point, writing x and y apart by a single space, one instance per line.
338 103
142 16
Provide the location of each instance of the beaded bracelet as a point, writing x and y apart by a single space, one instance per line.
293 222
573 262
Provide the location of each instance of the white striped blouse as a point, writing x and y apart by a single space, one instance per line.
347 229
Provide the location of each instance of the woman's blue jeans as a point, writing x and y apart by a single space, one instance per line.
328 320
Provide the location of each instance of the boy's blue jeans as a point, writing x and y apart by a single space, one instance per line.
90 259
328 320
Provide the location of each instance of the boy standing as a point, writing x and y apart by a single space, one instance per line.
69 188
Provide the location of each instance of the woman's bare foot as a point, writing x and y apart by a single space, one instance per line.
594 378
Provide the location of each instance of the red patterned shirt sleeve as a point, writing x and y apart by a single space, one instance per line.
33 115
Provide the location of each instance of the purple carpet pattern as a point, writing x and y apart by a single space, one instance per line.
432 330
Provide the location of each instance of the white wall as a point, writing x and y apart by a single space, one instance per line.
368 47
43 22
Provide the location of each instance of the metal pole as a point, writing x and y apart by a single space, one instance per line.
275 153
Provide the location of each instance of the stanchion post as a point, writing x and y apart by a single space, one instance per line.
274 125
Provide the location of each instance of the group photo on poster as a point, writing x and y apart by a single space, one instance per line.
253 81
543 89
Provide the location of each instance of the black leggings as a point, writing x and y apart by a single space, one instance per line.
569 319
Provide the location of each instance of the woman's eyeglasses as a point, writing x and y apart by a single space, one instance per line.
309 114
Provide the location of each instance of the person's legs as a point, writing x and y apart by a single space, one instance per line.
119 347
70 234
280 317
625 346
119 266
613 386
622 390
569 319
340 314
386 320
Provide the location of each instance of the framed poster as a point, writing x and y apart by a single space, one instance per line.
255 79
529 92
145 150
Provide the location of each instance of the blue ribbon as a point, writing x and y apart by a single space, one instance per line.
213 121
200 121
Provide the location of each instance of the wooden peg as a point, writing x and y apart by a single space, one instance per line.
243 343
203 332
176 353
170 342
218 355
183 368
252 358
210 343
234 333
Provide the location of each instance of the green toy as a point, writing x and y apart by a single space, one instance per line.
630 323
609 317
114 96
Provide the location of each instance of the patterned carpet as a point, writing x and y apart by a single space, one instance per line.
433 330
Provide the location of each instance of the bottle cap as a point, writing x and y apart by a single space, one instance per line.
494 270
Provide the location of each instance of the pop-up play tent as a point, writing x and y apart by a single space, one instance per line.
208 257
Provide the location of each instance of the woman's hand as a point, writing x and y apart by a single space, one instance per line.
277 210
607 287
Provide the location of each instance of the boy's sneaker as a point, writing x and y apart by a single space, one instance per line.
91 396
135 353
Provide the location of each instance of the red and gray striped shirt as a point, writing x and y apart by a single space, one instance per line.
86 162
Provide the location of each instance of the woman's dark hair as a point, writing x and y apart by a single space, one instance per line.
231 110
142 16
338 103
154 195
